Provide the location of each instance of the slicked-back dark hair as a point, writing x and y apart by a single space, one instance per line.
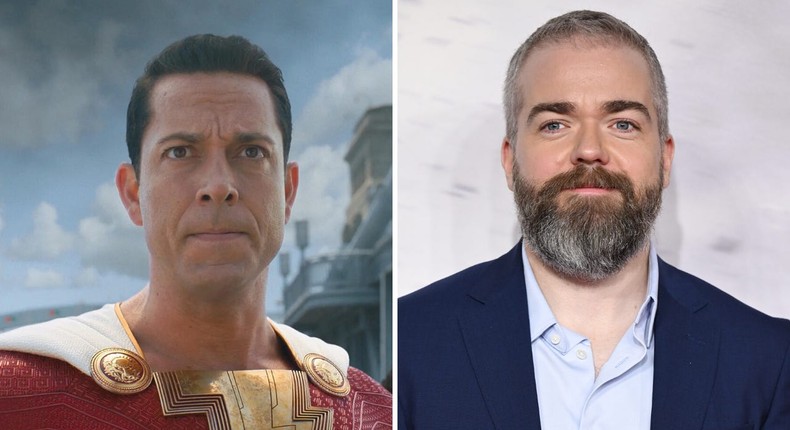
205 53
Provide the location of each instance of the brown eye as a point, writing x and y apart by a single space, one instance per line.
177 152
253 152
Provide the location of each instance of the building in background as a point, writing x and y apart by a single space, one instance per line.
345 297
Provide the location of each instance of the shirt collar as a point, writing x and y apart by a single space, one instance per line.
541 318
648 310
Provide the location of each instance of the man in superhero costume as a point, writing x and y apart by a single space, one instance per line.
208 133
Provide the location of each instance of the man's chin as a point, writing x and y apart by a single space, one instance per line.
218 274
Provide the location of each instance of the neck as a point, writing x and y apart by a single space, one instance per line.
598 309
179 331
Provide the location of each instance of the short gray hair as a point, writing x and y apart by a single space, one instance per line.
596 27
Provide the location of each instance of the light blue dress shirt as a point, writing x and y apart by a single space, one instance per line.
569 395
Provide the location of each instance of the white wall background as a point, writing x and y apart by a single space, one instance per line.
726 216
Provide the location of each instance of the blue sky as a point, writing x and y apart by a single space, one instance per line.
67 70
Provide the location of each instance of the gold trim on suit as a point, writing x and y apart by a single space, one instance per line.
243 399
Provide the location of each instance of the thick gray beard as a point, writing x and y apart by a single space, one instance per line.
586 240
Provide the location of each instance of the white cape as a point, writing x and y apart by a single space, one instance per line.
76 339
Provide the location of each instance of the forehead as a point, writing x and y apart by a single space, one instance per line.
579 71
197 101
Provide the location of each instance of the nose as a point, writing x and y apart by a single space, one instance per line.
218 184
589 147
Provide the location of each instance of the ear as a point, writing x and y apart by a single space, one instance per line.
508 155
667 155
291 184
129 191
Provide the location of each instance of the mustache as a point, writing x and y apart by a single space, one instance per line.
582 176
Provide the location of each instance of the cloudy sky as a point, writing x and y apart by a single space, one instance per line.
66 72
726 216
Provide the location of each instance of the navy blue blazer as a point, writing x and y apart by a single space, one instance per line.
465 358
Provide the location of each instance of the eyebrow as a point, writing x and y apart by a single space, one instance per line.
193 138
610 107
562 108
186 137
253 137
616 106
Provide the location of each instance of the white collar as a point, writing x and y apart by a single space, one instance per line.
76 339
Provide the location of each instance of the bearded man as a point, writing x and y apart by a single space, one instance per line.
582 325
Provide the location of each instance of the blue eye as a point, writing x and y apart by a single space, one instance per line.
553 127
624 125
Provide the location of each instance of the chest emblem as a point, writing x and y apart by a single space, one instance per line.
120 371
243 399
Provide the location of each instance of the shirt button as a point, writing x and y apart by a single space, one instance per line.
581 354
555 339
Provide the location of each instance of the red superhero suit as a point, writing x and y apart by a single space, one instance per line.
40 392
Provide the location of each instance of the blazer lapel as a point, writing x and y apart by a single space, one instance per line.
495 329
687 344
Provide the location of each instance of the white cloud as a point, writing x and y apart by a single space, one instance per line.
52 86
44 279
322 196
323 129
109 241
341 100
87 277
47 241
77 98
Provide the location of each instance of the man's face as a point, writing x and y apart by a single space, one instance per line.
213 195
587 156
